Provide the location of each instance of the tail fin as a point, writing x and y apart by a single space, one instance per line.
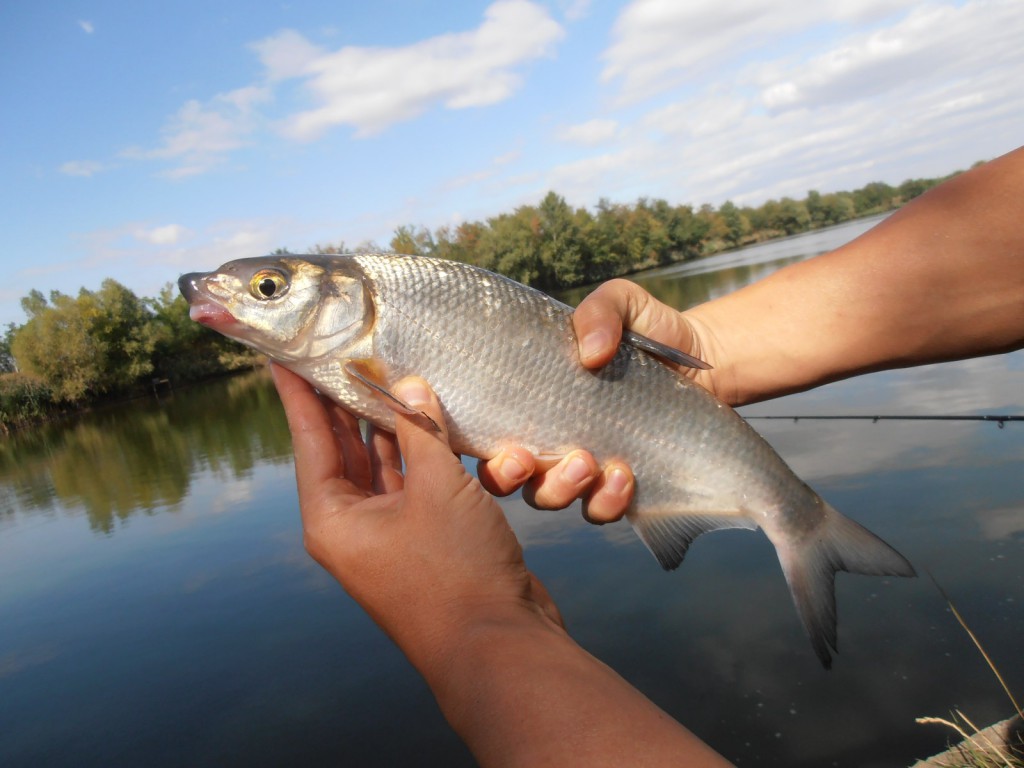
810 565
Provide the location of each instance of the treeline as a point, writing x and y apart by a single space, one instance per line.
554 246
105 344
110 343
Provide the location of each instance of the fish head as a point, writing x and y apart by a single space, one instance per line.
290 308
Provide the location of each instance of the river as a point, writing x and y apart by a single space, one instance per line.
157 607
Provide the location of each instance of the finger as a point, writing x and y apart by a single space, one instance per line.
599 320
619 304
312 431
422 436
611 495
564 483
349 439
385 461
507 471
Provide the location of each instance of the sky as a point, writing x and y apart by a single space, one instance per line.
142 140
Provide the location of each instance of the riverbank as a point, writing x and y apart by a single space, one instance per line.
26 403
1000 745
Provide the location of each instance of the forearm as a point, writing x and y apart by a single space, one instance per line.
941 279
521 692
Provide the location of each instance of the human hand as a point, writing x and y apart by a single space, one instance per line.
427 554
606 491
618 304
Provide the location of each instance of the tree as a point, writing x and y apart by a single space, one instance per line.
460 244
329 249
873 197
96 343
737 225
911 188
645 237
412 240
787 215
56 345
7 362
123 325
34 304
565 257
367 246
509 245
836 208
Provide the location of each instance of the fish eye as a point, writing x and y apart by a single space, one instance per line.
268 284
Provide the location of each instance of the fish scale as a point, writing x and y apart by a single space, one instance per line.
503 361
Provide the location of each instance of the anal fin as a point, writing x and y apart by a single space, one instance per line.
668 535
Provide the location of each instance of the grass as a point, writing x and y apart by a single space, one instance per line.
979 748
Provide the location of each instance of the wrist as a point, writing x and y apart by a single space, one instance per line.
470 635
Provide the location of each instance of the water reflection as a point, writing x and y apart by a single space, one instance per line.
142 457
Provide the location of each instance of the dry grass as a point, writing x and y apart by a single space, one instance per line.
999 746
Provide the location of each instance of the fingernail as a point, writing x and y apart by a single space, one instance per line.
412 392
511 470
576 471
616 482
594 343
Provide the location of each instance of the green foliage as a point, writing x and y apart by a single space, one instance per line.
24 399
415 241
98 343
735 222
104 343
7 362
553 246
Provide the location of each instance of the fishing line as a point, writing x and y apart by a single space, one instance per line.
1000 420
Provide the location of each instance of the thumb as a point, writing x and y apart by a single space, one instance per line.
424 431
599 320
432 472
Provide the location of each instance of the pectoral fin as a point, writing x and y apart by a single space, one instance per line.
671 354
365 372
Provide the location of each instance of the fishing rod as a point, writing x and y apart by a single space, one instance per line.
1000 420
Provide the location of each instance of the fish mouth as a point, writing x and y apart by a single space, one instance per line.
201 309
211 315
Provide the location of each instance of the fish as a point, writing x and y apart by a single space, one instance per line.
504 362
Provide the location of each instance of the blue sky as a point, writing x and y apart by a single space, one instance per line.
141 140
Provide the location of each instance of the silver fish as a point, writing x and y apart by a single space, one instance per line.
503 360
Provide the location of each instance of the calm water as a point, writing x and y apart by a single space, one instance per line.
157 608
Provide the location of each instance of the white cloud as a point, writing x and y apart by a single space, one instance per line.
286 54
658 44
844 94
166 235
575 9
933 42
489 172
373 88
366 88
597 131
200 136
87 27
82 168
